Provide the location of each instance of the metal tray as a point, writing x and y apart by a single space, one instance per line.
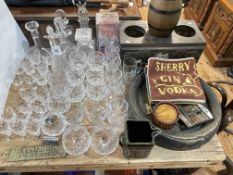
179 137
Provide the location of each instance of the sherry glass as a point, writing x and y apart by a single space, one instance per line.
96 111
9 114
78 92
75 114
28 93
96 88
119 107
78 59
76 140
5 127
58 104
33 128
53 123
75 75
19 127
104 140
39 106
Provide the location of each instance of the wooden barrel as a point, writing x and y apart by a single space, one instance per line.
163 16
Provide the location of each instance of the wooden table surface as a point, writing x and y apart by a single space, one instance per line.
209 154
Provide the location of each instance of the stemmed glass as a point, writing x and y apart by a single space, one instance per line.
96 111
75 114
96 88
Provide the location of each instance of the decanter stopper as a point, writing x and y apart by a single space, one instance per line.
53 41
32 27
83 18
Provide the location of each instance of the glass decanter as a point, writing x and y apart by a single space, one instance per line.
56 78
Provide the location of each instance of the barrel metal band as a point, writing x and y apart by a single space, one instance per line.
160 29
164 12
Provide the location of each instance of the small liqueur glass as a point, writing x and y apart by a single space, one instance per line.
76 140
104 140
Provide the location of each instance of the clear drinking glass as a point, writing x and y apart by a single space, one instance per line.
75 75
77 93
78 59
114 78
39 106
58 104
129 68
96 57
27 66
75 114
76 140
28 93
96 88
119 107
5 127
117 91
9 114
43 94
53 123
33 127
19 126
104 140
96 111
95 69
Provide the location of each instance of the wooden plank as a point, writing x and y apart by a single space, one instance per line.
210 153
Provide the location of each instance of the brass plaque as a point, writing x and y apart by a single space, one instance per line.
35 153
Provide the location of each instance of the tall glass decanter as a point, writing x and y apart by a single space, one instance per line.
56 77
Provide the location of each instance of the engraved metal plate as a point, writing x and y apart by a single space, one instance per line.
35 153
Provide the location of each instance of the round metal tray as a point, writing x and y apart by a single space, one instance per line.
179 137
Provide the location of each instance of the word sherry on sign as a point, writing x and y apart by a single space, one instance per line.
35 153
